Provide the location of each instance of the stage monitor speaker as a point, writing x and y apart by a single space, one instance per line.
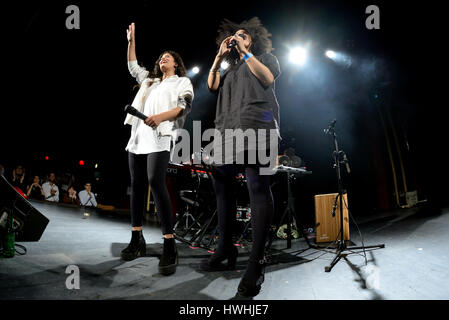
29 223
328 226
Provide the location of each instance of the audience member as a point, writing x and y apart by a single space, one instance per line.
35 191
71 197
51 190
18 178
87 198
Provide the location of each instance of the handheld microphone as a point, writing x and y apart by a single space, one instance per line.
232 44
133 111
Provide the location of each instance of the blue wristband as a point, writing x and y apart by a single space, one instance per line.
247 56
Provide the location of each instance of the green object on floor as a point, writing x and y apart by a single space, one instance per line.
9 239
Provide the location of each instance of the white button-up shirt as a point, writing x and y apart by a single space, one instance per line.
47 187
86 199
159 97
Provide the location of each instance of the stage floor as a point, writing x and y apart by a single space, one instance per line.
413 264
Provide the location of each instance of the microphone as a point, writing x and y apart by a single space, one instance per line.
334 208
232 44
331 127
133 111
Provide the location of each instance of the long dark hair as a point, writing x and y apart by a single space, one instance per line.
260 37
180 70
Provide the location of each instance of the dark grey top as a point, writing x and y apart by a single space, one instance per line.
245 103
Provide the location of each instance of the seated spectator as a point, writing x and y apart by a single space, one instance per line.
71 196
18 178
51 190
87 198
35 191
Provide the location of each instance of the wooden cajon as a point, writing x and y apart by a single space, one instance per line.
328 227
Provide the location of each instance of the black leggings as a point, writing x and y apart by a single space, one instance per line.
261 202
152 166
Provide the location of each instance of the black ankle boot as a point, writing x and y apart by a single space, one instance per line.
253 278
169 258
136 248
214 263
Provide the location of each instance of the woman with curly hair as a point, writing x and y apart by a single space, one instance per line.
246 100
165 95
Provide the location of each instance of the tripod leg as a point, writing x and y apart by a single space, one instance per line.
212 238
248 223
367 247
334 261
202 231
195 222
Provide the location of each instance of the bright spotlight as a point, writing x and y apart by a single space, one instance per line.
195 70
298 55
224 65
339 58
330 54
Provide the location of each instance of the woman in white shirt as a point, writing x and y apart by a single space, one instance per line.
165 96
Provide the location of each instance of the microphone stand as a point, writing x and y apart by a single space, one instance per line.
341 246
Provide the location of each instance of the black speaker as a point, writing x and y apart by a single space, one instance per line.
29 223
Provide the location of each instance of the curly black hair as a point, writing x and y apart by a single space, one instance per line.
260 37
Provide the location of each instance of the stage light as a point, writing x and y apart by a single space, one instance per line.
298 55
193 71
339 57
330 54
47 158
81 162
96 165
224 65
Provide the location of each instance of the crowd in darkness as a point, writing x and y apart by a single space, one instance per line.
51 188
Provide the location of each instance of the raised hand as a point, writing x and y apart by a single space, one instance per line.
224 50
130 32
